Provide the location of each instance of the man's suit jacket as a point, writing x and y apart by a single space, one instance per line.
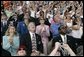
22 28
70 41
26 41
4 28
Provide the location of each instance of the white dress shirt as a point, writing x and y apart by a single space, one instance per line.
31 34
33 40
32 13
63 36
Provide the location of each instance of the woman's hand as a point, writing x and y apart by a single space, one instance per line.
10 40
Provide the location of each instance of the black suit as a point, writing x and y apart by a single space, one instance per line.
26 41
70 41
4 28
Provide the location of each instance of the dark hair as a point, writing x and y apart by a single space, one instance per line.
21 47
61 26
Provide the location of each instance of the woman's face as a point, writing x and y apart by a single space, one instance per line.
42 21
11 29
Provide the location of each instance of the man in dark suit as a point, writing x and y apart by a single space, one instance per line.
31 40
4 25
63 38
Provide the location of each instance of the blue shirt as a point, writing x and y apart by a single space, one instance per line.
54 29
11 48
22 28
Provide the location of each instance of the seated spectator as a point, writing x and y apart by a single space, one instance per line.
11 41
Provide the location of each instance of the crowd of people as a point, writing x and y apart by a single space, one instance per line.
42 28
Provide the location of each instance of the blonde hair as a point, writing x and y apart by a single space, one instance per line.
8 33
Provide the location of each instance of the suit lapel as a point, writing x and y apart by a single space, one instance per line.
29 39
60 39
36 39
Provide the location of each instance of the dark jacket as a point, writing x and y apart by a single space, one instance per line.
26 41
72 42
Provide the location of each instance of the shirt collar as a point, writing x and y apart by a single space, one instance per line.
31 32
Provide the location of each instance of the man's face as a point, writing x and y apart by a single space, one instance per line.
64 30
3 18
31 27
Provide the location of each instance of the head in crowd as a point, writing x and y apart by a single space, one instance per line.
21 51
42 14
56 19
26 18
62 29
31 27
42 21
3 18
11 31
40 8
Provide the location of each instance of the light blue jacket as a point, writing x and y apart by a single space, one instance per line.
11 48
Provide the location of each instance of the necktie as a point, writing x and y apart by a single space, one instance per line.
65 39
34 43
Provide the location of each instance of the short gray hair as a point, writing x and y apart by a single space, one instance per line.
30 23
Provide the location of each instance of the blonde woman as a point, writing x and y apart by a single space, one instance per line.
11 41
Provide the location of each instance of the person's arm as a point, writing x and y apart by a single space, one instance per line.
18 27
16 43
5 44
70 51
48 31
53 53
51 28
